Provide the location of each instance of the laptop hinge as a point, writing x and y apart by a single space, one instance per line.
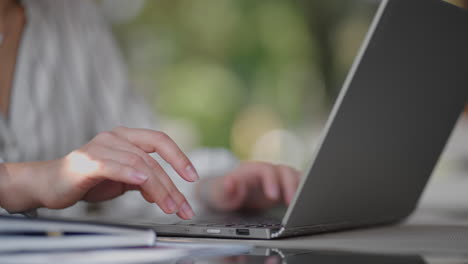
282 232
278 233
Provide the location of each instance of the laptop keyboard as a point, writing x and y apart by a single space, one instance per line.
235 223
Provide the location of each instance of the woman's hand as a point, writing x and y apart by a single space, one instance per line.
251 186
106 167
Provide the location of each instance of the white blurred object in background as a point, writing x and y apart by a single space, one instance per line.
280 146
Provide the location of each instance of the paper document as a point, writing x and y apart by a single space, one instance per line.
25 234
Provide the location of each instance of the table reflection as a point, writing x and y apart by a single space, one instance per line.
277 256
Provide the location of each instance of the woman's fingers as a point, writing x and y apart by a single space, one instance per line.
255 185
154 141
229 187
114 141
184 210
276 182
270 181
146 196
168 198
105 169
177 201
234 192
98 152
289 179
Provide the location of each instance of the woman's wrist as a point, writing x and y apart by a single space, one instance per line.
19 187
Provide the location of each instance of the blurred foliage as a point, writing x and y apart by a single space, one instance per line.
249 66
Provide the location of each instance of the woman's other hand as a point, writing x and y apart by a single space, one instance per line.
106 167
251 186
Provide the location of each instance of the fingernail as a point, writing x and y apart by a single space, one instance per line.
140 177
192 173
187 210
171 205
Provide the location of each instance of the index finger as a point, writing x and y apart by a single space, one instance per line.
152 141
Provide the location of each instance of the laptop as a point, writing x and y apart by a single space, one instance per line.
386 131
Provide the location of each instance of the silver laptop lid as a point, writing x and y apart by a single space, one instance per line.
392 119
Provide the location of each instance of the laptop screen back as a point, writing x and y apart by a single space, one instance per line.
392 118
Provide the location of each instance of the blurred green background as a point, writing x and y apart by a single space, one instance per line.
257 77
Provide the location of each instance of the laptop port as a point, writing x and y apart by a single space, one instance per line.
242 232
